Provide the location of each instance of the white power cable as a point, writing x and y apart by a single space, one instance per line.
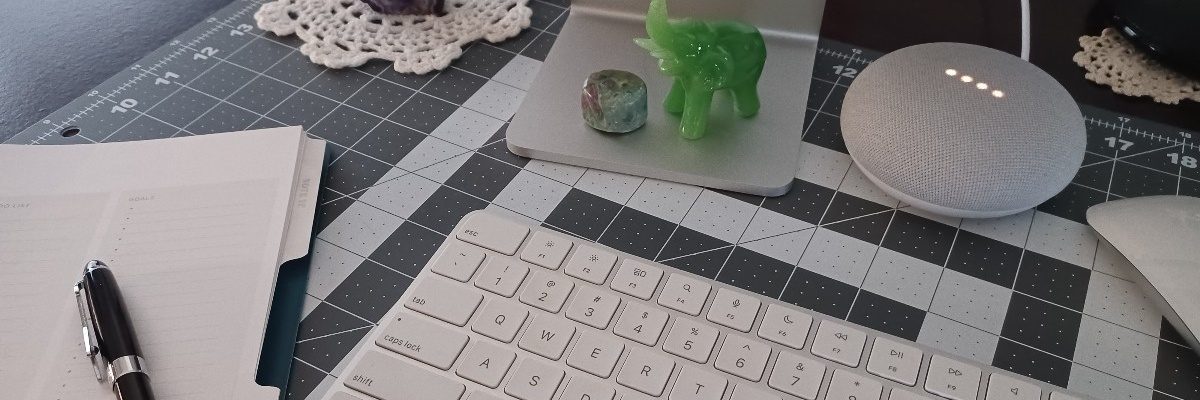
1025 30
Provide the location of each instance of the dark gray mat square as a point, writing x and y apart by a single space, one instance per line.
1031 362
144 128
637 233
444 208
353 173
325 353
380 97
182 108
869 229
370 291
482 176
389 142
224 117
295 69
259 55
921 238
222 80
806 201
261 95
454 85
484 59
1056 281
345 126
303 108
338 84
985 258
583 214
755 272
423 113
881 313
819 293
1045 326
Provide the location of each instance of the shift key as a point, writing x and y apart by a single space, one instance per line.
389 378
423 340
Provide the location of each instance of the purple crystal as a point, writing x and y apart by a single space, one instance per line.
407 7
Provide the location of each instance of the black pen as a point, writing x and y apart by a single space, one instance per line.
108 337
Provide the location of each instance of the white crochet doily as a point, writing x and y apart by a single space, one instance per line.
1112 60
347 33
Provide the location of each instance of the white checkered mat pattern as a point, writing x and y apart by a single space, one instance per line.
1033 293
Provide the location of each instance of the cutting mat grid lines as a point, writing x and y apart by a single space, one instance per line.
1033 293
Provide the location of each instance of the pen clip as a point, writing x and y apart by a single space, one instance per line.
87 322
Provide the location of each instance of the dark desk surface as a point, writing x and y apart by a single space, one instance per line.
55 51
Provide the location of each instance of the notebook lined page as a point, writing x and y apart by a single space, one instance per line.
193 228
184 258
42 239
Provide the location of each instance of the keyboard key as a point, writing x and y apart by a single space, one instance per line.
390 378
344 396
594 307
743 357
743 392
684 294
482 396
785 326
691 340
596 353
459 261
500 320
501 276
641 324
1062 396
646 371
847 385
895 361
492 232
797 375
533 380
583 388
438 298
422 340
734 310
694 384
546 250
547 291
898 394
952 379
591 264
840 343
1004 387
485 363
547 336
636 279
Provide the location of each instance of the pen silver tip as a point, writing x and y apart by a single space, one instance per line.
94 264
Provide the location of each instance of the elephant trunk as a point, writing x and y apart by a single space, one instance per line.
657 24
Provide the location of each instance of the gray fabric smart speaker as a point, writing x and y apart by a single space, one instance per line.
963 130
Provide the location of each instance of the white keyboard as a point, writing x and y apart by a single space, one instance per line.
509 311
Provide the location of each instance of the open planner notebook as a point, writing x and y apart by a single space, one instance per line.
195 230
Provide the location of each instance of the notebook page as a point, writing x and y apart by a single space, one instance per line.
39 235
188 226
180 256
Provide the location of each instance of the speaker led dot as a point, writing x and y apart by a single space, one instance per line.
951 72
967 78
981 86
997 94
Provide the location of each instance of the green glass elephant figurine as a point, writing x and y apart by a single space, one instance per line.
703 57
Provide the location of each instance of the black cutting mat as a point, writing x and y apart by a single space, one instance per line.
1033 293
